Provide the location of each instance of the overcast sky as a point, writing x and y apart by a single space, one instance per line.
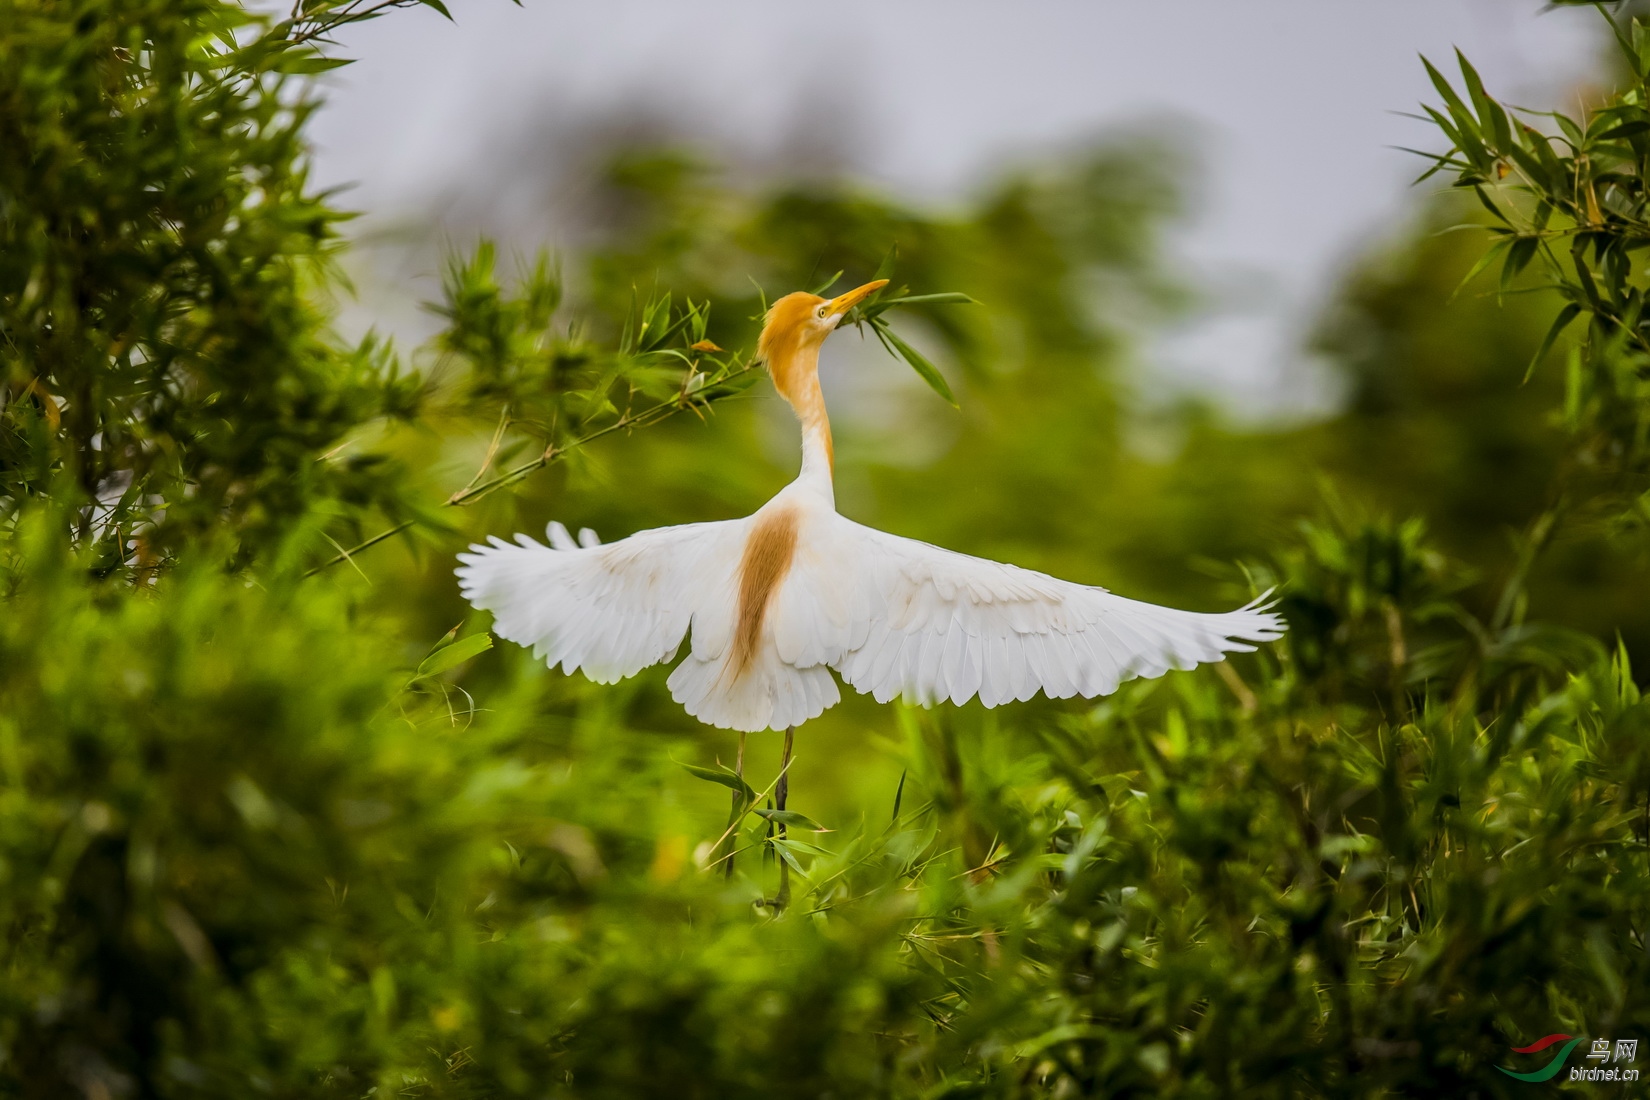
1292 101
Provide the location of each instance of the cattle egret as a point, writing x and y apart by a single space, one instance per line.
779 599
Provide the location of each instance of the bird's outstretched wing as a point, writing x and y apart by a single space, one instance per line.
931 624
891 615
610 610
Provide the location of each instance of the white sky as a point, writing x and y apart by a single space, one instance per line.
1292 101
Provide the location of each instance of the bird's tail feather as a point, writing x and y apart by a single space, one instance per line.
768 694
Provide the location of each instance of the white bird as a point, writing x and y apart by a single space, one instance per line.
777 601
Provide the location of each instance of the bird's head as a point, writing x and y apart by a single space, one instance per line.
795 327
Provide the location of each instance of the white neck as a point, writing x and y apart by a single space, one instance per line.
816 461
808 402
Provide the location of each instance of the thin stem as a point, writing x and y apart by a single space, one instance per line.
732 825
647 417
346 555
324 25
1530 547
738 796
492 447
781 792
783 789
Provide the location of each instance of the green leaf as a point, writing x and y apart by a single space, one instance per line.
1560 323
1484 261
885 270
1584 276
1627 49
1530 165
926 370
655 322
1451 99
1489 205
1468 133
1572 132
877 305
1444 124
820 290
947 299
310 65
727 387
677 326
455 654
440 7
791 819
783 848
723 775
1627 129
1518 258
1489 111
1542 146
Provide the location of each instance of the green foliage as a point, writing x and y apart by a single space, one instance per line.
1574 198
272 828
160 349
246 843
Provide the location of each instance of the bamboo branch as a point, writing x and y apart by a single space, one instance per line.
651 415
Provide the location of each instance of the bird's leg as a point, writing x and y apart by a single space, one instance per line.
738 799
781 791
783 787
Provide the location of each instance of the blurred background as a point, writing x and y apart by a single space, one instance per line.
500 124
1213 301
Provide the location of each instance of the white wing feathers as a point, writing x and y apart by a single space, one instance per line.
947 626
609 610
891 615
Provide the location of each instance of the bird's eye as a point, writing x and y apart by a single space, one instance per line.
824 312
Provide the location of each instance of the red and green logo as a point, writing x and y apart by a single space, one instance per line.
1552 1068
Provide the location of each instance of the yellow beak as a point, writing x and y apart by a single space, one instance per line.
843 304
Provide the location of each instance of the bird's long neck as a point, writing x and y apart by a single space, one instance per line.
797 378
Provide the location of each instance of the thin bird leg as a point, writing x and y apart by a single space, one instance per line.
780 792
784 787
738 798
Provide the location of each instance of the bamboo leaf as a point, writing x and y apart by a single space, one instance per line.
1572 132
1484 261
1451 99
1528 164
1560 323
1490 112
1489 205
819 291
1631 128
783 848
1519 256
790 819
926 370
723 775
655 323
308 65
1450 130
948 298
1632 55
455 654
1468 133
885 270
